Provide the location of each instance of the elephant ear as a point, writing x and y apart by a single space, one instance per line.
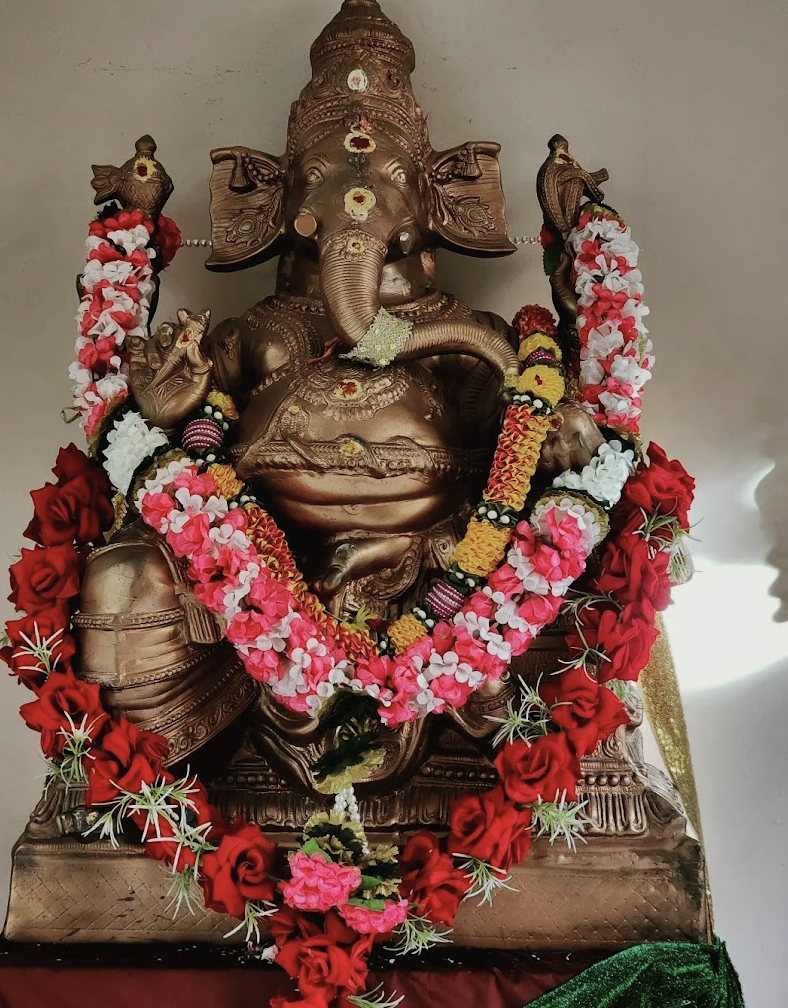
247 191
468 208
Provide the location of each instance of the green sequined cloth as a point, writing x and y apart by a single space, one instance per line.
659 975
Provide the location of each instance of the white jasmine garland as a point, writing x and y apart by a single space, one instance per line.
130 442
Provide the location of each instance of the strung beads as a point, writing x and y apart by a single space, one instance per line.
202 434
445 600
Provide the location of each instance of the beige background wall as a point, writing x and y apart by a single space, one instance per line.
683 101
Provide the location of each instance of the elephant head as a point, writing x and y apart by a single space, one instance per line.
359 187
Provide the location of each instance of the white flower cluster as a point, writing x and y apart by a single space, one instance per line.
604 476
130 442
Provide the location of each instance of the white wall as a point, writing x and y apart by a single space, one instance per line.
682 101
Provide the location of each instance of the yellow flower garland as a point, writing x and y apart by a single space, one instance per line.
525 428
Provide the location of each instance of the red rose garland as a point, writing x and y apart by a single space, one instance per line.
612 642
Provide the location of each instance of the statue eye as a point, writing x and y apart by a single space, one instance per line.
313 176
400 176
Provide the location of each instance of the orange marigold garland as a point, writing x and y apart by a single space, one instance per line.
535 394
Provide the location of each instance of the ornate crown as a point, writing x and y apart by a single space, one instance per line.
361 67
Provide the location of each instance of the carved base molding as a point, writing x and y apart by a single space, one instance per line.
610 894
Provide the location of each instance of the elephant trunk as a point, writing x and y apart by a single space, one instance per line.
461 337
351 271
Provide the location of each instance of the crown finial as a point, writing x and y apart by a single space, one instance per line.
361 67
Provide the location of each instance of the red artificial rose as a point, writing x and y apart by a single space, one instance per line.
327 964
547 236
44 576
50 629
544 769
487 826
585 710
630 573
127 759
64 702
663 486
76 509
238 870
287 923
625 638
168 239
71 463
626 644
160 843
316 1001
430 879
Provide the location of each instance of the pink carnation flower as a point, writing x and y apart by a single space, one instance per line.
518 640
366 921
264 666
397 711
191 537
479 603
212 593
269 597
202 568
505 581
373 671
203 486
539 610
564 531
246 626
554 566
449 689
156 508
317 884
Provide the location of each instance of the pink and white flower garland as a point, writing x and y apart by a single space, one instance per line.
281 645
615 352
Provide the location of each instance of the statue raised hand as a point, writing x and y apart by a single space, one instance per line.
169 374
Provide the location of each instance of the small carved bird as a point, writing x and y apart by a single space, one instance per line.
140 184
561 184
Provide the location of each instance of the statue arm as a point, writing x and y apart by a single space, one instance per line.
223 347
169 374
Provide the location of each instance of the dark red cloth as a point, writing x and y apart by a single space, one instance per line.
63 976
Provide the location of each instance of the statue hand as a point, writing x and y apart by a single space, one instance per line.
564 296
575 442
169 374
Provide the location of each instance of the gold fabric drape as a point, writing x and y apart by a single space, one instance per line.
665 713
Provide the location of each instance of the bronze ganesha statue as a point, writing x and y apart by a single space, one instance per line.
369 401
369 407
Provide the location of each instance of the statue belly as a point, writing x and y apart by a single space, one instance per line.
337 446
336 502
